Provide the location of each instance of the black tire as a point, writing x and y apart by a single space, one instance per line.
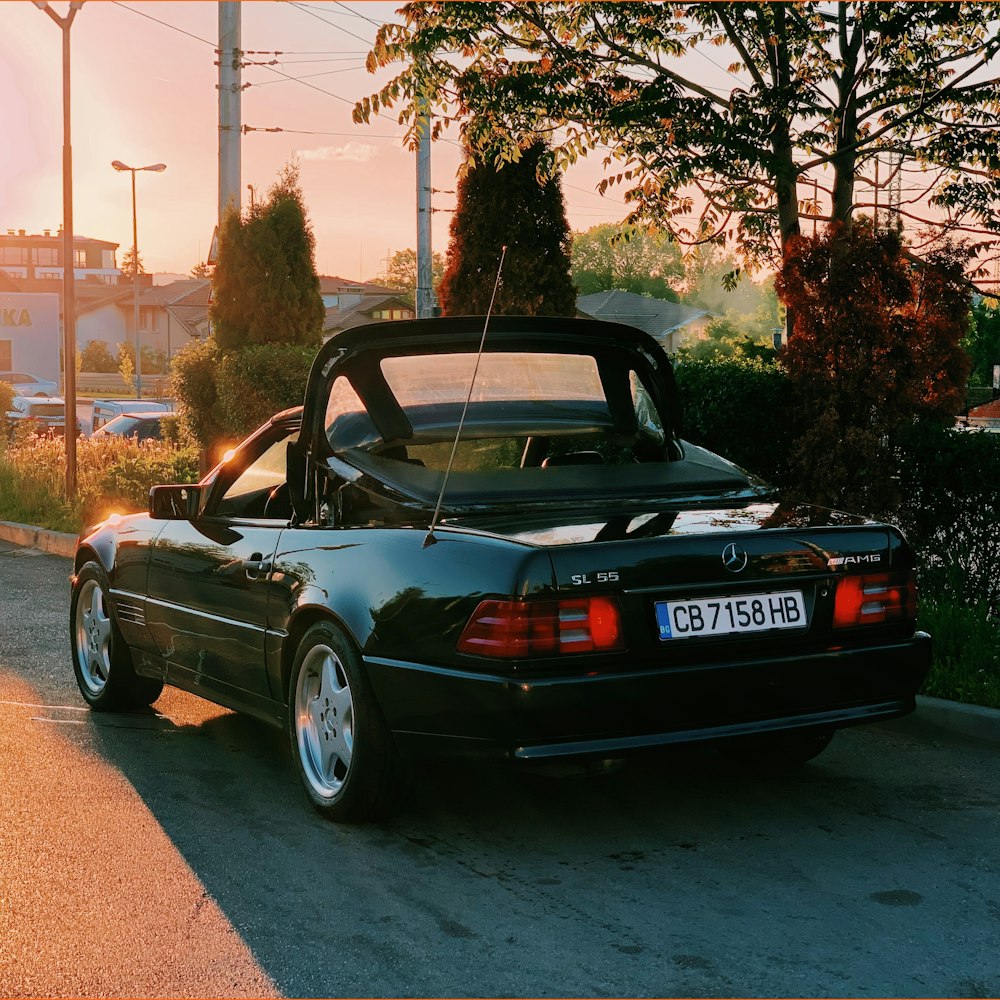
102 663
779 751
341 746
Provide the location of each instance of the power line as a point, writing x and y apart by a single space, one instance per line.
333 24
320 90
356 13
307 76
299 131
166 24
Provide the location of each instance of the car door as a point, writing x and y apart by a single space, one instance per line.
208 578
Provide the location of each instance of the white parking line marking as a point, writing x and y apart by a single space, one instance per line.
62 708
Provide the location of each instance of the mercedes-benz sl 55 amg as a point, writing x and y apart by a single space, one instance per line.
585 584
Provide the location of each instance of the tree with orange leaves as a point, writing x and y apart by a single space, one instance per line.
875 347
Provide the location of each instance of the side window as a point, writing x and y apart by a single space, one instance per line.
645 410
348 424
247 495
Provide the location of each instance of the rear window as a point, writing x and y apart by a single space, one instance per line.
444 378
44 409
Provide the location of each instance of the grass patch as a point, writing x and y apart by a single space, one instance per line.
113 475
966 664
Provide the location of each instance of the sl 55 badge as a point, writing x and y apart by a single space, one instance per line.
600 576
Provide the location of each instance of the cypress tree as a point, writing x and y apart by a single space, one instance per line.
265 289
509 206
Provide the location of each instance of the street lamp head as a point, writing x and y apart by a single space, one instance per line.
158 167
118 165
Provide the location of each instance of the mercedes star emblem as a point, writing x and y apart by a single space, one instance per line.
734 558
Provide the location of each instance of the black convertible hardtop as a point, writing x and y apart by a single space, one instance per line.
358 354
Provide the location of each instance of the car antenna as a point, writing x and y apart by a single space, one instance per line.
429 539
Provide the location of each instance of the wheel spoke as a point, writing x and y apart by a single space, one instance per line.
330 754
328 683
102 632
316 717
98 670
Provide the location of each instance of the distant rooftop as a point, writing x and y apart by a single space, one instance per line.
656 317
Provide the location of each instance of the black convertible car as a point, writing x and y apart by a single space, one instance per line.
585 583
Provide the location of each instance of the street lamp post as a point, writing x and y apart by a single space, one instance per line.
69 260
157 167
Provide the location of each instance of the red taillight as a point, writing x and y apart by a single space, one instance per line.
874 598
510 629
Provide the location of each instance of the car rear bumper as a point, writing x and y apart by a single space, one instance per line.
603 714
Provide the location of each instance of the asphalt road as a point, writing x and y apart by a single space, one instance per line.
171 853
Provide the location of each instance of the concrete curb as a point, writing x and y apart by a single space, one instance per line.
969 720
59 543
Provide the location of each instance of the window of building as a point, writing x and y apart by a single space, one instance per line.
14 255
108 259
79 258
45 256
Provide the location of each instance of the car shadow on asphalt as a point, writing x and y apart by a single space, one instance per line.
470 842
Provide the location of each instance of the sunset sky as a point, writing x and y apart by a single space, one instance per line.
145 92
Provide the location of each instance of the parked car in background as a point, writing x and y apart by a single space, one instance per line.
29 385
107 409
48 413
144 426
580 583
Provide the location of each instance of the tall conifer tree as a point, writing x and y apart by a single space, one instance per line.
509 206
265 288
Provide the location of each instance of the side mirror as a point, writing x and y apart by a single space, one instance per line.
175 503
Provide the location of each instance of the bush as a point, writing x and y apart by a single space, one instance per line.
113 474
192 384
950 509
6 402
875 345
225 396
257 382
96 356
738 407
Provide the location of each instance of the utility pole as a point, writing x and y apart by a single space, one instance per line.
69 257
230 113
425 270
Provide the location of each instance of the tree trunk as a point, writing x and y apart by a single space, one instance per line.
845 158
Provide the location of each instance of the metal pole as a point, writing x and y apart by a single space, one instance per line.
69 270
135 294
425 274
230 120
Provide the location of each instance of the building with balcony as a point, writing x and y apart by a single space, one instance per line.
35 260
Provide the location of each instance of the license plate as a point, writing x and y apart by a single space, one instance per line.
730 615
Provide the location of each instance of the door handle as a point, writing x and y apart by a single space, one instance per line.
256 565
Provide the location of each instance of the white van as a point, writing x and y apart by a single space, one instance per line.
108 409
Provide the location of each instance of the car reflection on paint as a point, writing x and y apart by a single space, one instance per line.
585 585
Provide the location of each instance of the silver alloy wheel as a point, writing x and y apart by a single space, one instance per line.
93 637
324 721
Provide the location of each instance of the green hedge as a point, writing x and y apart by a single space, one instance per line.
948 506
225 396
740 408
256 382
